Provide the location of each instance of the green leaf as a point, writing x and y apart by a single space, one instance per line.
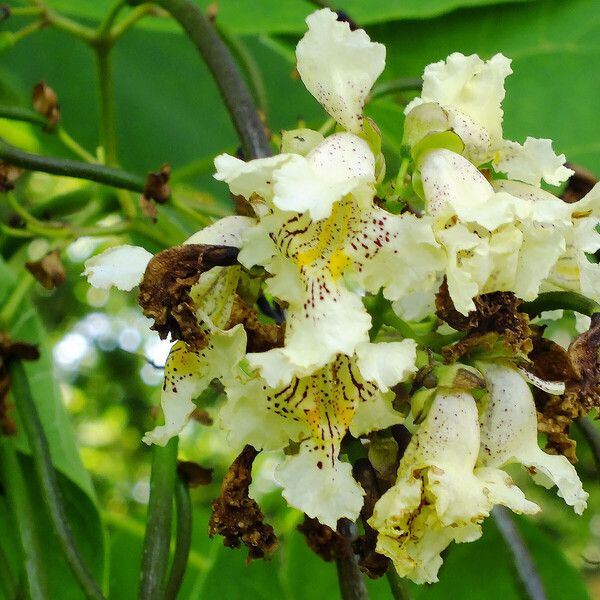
485 569
75 483
287 16
552 43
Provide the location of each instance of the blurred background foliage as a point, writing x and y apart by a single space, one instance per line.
99 376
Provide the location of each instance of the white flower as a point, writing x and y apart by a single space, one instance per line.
533 161
317 411
187 373
439 495
509 434
339 66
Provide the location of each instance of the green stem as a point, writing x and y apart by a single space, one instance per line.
523 561
72 168
15 300
245 57
592 437
19 113
48 481
24 516
107 110
231 84
74 146
560 300
109 19
183 538
155 554
67 25
397 584
139 12
351 580
405 84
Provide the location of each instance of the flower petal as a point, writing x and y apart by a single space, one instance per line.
468 85
331 170
509 434
300 141
121 266
387 363
339 66
188 374
533 161
327 492
225 232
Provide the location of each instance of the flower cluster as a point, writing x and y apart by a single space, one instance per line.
317 312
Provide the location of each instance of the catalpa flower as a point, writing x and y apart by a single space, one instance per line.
316 411
440 494
319 233
188 372
464 94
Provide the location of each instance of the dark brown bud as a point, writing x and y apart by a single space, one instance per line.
193 473
8 175
49 270
45 101
157 185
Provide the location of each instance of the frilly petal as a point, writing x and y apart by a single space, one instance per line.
386 363
327 174
121 266
322 488
468 85
300 141
509 434
188 374
339 66
225 232
533 161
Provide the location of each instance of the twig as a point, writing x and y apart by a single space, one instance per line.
397 585
155 554
72 168
46 475
592 437
183 538
351 580
523 561
232 86
560 300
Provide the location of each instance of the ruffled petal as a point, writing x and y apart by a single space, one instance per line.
468 85
509 434
225 232
326 175
300 141
387 363
339 66
121 266
533 161
188 373
327 492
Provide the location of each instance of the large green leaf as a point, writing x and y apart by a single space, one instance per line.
554 46
78 494
285 16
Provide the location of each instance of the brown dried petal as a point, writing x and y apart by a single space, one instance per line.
157 185
10 350
261 336
579 184
49 270
236 516
496 313
45 102
165 290
193 473
321 539
8 176
148 208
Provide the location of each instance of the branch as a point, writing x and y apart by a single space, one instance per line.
72 168
351 580
183 538
523 561
560 300
155 554
46 475
232 86
592 437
